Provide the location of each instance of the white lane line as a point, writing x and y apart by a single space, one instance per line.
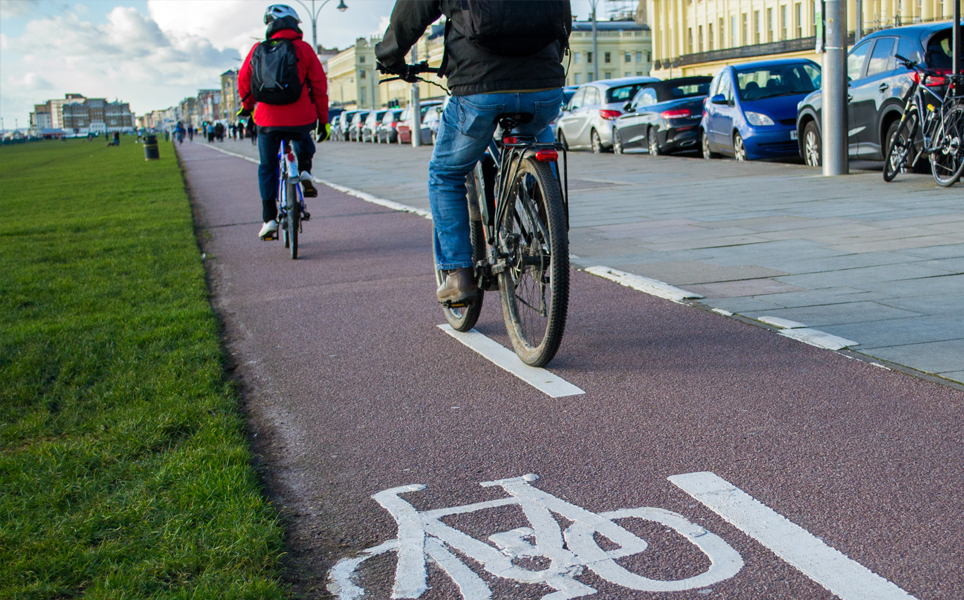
820 339
846 578
643 284
781 322
544 381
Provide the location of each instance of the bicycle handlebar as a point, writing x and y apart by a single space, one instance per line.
409 73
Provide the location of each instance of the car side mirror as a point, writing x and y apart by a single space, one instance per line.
718 99
628 107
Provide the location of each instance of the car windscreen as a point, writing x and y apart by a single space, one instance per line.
938 54
623 93
666 93
778 80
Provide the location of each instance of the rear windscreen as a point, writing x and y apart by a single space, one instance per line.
938 53
623 93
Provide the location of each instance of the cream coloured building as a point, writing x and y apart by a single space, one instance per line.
698 37
624 48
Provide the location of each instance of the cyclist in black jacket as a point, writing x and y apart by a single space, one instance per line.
483 85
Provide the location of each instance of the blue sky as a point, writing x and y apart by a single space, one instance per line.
150 53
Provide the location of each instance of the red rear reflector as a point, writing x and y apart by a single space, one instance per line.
547 156
510 140
610 114
291 156
679 113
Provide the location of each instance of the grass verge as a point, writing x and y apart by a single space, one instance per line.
124 470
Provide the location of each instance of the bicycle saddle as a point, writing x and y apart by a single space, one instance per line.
515 119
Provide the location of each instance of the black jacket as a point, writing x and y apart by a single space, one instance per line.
470 69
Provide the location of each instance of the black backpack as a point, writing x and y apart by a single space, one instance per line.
274 73
514 27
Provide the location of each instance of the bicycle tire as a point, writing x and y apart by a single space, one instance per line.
464 318
294 219
947 160
899 146
534 214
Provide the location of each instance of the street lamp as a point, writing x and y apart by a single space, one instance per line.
313 12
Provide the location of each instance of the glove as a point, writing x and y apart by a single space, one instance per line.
324 131
244 113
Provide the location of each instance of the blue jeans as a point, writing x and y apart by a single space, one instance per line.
269 144
464 132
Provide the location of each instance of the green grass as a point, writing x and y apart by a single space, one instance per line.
124 470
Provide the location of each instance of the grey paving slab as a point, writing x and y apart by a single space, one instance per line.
755 238
942 358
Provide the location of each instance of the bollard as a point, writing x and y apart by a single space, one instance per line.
150 148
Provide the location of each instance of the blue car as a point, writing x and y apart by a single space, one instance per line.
751 111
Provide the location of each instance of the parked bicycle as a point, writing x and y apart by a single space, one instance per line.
932 125
519 224
292 210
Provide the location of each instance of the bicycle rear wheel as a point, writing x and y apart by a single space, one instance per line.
947 160
534 287
464 318
899 147
294 219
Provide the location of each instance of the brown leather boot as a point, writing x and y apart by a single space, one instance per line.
459 287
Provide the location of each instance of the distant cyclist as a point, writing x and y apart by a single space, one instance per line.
278 66
501 64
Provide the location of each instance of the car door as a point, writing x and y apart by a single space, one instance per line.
868 95
646 117
568 122
858 94
721 115
588 110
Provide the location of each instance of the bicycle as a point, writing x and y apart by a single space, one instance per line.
519 229
292 210
936 133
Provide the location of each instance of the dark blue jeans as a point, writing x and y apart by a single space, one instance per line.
269 144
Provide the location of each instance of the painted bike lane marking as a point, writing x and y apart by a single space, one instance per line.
548 383
832 569
424 538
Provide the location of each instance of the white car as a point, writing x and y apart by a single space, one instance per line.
588 119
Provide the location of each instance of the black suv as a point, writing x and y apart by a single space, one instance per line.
877 84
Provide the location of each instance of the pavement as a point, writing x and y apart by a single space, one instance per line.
878 264
750 465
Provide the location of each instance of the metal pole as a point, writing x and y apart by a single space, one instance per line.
416 107
595 52
956 66
834 117
859 31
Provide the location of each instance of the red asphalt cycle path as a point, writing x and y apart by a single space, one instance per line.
352 389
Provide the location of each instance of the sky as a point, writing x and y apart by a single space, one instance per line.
150 53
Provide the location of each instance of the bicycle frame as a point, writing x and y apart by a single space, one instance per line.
288 173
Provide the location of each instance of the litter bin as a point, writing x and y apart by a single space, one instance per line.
150 148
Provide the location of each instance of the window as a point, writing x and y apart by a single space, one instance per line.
726 87
880 57
771 25
689 40
784 25
577 57
709 38
361 59
361 74
798 19
855 62
782 80
700 38
577 78
589 57
745 38
639 57
607 58
645 97
722 36
628 57
649 56
578 100
588 77
733 41
607 74
627 74
757 26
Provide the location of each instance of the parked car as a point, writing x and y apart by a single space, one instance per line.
404 127
587 120
340 132
431 120
663 117
751 111
386 134
357 122
372 121
877 82
567 93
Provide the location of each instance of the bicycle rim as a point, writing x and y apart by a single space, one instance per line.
947 160
534 288
899 147
294 220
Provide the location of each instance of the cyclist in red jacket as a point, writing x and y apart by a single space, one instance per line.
307 113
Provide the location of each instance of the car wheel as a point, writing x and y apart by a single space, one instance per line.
653 146
563 141
705 142
739 148
617 142
596 142
434 137
812 151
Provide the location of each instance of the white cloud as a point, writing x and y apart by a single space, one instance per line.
31 81
17 8
3 41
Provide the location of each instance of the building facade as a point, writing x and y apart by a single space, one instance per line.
624 48
208 107
230 99
698 37
81 115
352 78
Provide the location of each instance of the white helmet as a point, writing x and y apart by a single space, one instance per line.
279 11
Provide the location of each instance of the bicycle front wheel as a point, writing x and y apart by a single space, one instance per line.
899 147
464 318
534 285
294 219
947 160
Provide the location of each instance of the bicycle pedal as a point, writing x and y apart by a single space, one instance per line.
269 237
305 215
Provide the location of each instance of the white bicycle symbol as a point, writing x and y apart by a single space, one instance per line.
422 536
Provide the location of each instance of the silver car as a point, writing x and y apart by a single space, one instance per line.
589 118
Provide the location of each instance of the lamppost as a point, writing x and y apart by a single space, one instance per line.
595 53
313 13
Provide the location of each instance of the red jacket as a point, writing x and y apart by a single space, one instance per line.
310 107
